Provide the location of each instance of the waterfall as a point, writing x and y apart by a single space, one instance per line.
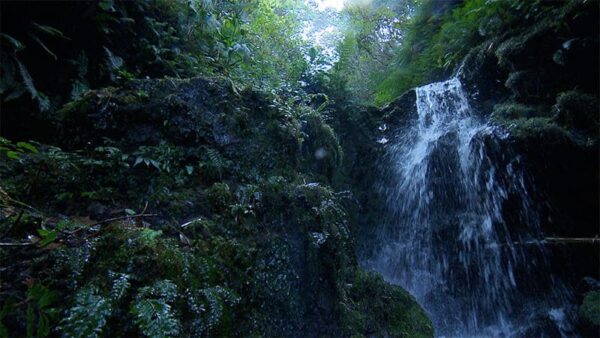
461 232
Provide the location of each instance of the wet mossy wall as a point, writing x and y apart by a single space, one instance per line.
208 203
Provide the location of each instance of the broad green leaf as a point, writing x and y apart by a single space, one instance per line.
28 146
48 236
13 155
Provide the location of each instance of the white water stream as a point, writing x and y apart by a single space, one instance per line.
457 206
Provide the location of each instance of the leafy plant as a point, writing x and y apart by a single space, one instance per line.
40 313
161 157
12 64
16 150
153 312
88 316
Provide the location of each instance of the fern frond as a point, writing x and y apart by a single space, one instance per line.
43 101
114 62
152 311
27 80
216 160
120 285
155 318
164 289
88 316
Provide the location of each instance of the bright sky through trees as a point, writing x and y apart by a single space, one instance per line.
334 4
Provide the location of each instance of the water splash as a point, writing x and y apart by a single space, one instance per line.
458 205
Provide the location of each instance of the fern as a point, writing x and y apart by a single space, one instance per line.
114 62
216 308
216 160
88 317
153 314
75 260
155 318
120 286
43 101
40 312
16 44
77 89
215 300
160 289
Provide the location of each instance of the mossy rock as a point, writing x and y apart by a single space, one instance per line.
590 308
513 52
511 111
375 308
536 127
577 110
247 237
321 147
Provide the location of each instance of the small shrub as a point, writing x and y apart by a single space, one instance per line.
513 111
577 110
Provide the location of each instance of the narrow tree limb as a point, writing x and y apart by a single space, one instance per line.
17 244
572 240
69 234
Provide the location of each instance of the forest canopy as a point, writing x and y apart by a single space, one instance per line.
373 49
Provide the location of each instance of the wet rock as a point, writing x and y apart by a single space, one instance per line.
400 111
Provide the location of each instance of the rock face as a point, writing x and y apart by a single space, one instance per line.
247 230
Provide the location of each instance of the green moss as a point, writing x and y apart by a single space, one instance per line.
321 147
510 50
539 127
522 83
511 111
375 308
590 308
219 196
84 103
575 109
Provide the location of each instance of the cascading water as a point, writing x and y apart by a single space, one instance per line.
460 232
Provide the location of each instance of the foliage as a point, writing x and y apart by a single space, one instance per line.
274 51
513 111
253 42
152 310
14 151
11 64
590 309
40 313
441 33
577 110
89 315
371 35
